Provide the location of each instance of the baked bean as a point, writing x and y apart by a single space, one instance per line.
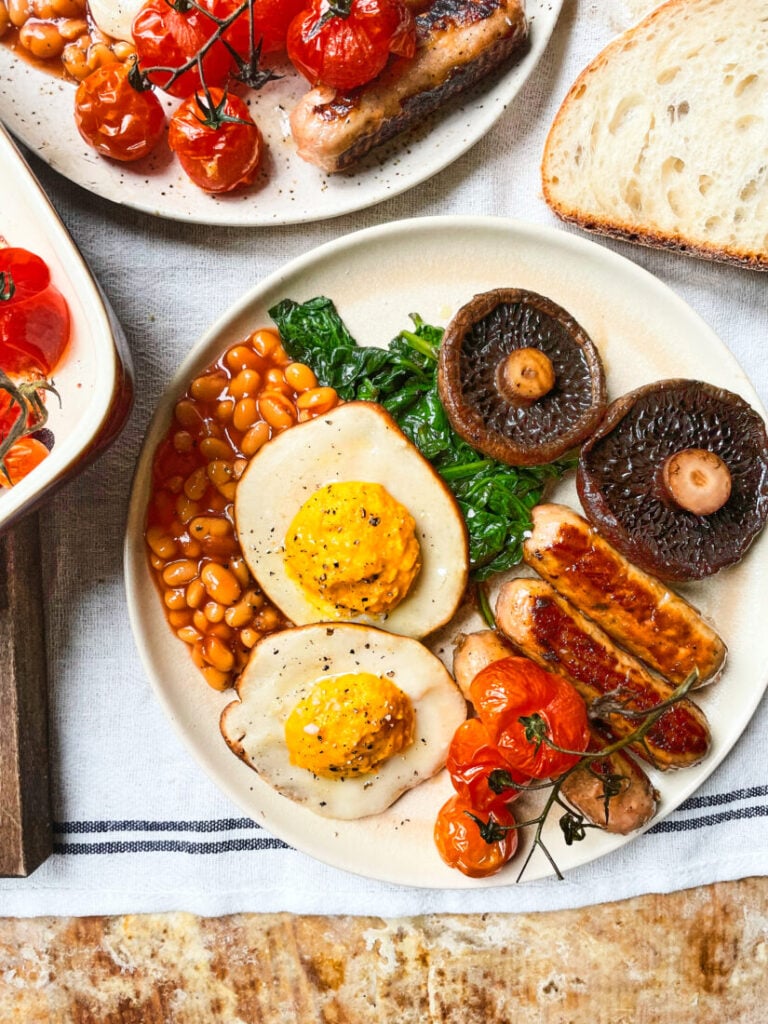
18 11
213 611
178 573
216 679
218 654
228 413
300 377
245 415
187 414
220 583
160 543
277 409
255 438
249 637
215 448
189 634
122 50
246 383
195 593
266 342
196 484
219 472
242 357
42 38
208 387
317 400
175 600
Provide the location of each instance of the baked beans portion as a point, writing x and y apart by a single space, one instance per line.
60 36
228 412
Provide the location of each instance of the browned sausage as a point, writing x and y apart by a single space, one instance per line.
629 809
636 610
458 43
473 652
556 636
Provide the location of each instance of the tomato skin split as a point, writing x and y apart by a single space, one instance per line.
115 118
515 688
219 156
346 52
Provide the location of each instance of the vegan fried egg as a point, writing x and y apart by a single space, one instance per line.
343 718
341 518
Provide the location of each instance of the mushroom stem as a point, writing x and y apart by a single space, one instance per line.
526 375
697 480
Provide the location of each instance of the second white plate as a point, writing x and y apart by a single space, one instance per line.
38 109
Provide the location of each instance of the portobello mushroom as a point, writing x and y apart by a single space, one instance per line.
676 477
520 380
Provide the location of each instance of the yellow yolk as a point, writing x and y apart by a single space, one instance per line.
353 549
348 725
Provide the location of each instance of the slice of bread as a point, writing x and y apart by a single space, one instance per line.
663 139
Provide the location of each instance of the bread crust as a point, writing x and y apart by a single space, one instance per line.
615 225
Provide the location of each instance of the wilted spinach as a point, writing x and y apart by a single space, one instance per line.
495 499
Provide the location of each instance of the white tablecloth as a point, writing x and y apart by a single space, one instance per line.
139 827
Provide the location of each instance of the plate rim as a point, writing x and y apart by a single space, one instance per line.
198 356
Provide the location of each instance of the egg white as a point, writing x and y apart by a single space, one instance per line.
115 17
357 441
285 666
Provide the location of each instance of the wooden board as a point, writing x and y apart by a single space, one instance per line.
25 816
694 957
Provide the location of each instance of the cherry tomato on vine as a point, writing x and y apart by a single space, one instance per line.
476 849
216 140
472 758
20 459
34 316
169 38
265 23
118 120
346 43
514 688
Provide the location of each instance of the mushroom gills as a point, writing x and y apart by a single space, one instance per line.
520 379
678 524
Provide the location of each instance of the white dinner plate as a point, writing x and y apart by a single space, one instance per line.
93 379
37 108
432 266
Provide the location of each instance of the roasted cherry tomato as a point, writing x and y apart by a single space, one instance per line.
471 760
34 316
21 458
216 141
167 38
118 120
477 849
522 706
265 23
346 43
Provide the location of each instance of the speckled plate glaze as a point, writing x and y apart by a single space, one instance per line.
37 108
433 266
93 380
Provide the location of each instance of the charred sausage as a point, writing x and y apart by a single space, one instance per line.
636 610
556 636
458 43
473 652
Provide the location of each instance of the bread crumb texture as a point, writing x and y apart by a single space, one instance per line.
663 138
703 952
